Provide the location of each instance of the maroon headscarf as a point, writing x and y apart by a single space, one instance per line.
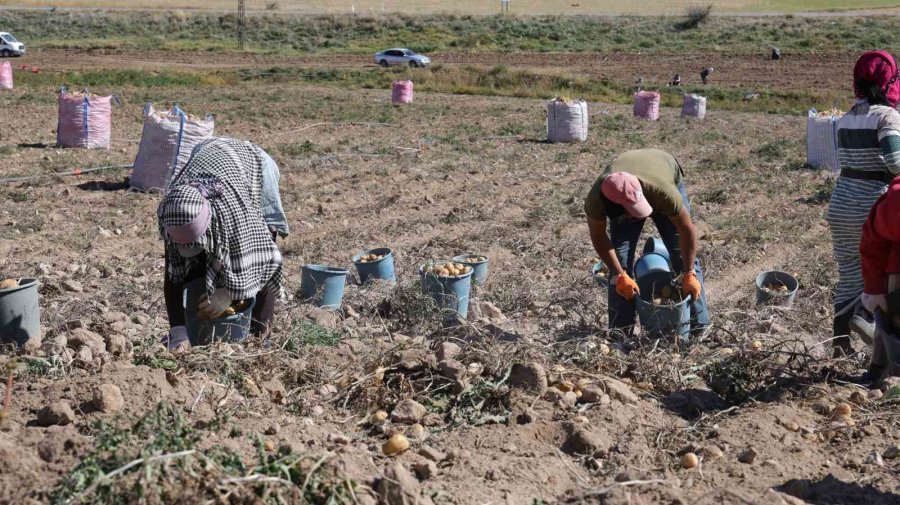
878 68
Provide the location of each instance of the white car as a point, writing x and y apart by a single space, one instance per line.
400 56
9 46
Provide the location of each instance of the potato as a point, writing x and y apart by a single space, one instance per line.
842 411
378 417
580 419
9 284
689 460
565 386
395 445
791 426
756 345
667 292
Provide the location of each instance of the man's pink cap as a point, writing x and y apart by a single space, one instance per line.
625 189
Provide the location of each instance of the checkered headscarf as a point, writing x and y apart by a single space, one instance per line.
225 175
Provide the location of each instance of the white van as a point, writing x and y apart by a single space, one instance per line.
9 46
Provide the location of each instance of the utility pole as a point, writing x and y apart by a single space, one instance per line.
242 14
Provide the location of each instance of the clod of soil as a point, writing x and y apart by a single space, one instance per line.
108 398
425 470
9 284
400 487
582 440
447 350
452 369
395 445
408 412
747 456
690 460
432 454
57 413
417 432
530 377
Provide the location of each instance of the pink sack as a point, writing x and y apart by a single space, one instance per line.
6 78
401 92
84 120
646 105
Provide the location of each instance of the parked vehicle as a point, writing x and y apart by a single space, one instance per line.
9 46
400 56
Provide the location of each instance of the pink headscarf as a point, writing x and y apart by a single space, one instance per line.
879 68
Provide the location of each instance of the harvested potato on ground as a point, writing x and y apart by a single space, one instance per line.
395 445
8 284
842 411
690 460
378 417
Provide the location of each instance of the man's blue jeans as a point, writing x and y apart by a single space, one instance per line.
624 233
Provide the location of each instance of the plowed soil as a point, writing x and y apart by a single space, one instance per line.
447 175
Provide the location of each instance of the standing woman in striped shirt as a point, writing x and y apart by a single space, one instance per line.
869 152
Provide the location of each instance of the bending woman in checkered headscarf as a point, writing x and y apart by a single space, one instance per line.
219 219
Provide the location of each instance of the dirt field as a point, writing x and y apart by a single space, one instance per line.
289 418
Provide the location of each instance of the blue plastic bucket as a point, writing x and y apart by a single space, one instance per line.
323 285
479 268
785 299
651 262
596 269
380 269
201 332
656 245
20 313
661 320
450 293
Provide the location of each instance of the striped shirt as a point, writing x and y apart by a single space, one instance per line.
868 141
869 138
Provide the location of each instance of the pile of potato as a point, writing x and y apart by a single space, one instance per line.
475 259
369 258
668 295
776 288
829 113
449 269
9 284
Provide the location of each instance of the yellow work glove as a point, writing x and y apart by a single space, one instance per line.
626 287
690 286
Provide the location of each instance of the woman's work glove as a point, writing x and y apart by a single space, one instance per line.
177 338
872 302
690 286
215 306
626 287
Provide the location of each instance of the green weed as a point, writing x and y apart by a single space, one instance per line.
306 333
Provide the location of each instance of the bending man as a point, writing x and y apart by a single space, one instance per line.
641 184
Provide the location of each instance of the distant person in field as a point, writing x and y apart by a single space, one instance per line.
676 80
868 139
705 73
219 220
880 251
641 184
